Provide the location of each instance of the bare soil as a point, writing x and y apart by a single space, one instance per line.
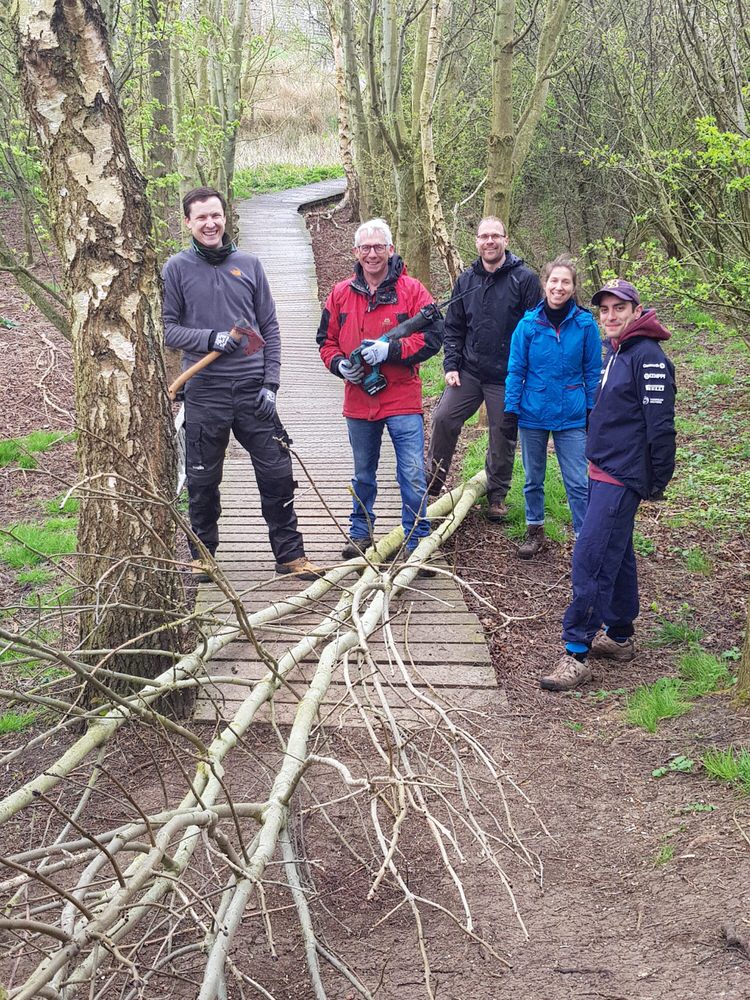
636 884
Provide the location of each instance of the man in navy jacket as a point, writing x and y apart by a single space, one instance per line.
631 453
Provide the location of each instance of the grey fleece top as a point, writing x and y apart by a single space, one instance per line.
202 298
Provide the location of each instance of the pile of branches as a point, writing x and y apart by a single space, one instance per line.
98 910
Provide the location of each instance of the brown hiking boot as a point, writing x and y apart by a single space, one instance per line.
568 674
356 547
199 572
301 567
533 543
609 649
497 511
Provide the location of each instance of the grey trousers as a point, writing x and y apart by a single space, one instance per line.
456 405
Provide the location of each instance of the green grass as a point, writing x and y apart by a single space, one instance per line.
21 450
16 722
56 537
677 633
664 855
651 703
432 375
280 176
696 561
731 766
37 577
62 504
702 673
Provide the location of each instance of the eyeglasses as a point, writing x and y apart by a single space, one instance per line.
378 248
491 236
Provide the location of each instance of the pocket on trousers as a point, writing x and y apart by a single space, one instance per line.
194 447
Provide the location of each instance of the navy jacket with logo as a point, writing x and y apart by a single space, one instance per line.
631 429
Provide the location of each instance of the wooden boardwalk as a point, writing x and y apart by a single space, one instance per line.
445 640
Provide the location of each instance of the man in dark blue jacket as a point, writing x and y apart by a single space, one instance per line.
490 298
631 453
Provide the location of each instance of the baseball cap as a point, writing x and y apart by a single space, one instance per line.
619 288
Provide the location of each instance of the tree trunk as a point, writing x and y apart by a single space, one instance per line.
439 230
502 126
344 118
362 150
161 140
102 224
743 673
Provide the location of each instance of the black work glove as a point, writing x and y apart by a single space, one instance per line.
588 417
224 342
351 371
657 496
265 404
509 426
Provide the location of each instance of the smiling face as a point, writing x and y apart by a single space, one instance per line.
373 253
559 286
207 222
616 315
492 242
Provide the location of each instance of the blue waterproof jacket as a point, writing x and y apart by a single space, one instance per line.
553 373
631 432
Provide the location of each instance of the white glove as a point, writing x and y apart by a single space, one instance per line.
374 352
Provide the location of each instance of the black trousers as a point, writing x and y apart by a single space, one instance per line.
456 405
213 408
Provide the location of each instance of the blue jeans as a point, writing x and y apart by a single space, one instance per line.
604 574
570 448
407 435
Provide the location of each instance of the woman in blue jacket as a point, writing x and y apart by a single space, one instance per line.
553 373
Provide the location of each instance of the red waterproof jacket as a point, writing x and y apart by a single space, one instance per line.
353 314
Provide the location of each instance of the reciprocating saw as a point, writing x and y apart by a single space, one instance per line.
374 381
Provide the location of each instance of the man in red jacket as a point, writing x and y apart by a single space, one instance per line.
358 312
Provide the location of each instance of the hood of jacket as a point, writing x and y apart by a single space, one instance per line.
647 325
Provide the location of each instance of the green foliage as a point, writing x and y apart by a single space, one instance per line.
278 177
678 765
651 703
730 765
16 722
31 543
574 727
642 545
35 577
556 510
62 504
432 375
697 561
702 673
664 855
20 450
679 632
697 807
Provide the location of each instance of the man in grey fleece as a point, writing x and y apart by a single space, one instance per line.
208 289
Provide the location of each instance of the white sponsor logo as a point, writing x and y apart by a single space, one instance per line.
655 375
650 399
654 364
646 400
655 388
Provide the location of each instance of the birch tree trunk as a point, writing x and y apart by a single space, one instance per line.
344 118
101 226
446 248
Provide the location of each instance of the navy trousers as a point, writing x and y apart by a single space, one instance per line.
604 575
213 409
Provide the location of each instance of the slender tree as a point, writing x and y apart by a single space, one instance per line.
101 226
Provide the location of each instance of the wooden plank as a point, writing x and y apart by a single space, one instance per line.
445 639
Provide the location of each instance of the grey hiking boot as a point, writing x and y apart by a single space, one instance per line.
568 674
533 543
355 547
608 649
